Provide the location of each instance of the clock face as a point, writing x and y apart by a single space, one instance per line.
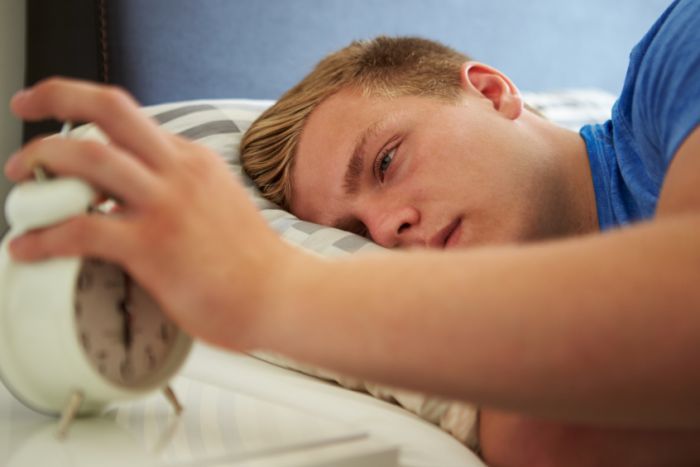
121 329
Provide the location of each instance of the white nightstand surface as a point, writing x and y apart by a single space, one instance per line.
239 411
217 428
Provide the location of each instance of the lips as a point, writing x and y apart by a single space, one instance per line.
448 235
454 235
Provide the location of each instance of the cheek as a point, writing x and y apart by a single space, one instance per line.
451 166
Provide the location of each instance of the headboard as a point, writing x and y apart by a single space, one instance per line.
169 50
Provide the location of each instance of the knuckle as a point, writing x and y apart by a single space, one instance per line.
194 164
95 152
201 162
36 144
115 99
50 85
38 149
154 236
76 232
50 91
185 146
157 196
76 236
41 141
85 235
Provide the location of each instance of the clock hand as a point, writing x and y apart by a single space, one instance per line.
126 314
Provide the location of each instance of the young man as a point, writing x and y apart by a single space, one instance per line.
592 338
414 145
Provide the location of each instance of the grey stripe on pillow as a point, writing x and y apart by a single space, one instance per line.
178 112
351 243
244 125
307 227
210 128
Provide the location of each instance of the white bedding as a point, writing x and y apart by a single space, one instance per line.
420 443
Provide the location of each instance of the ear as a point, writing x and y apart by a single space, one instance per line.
490 83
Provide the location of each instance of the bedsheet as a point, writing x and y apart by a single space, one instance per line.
420 443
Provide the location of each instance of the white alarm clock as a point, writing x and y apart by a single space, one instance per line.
77 333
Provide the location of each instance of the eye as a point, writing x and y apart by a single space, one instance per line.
383 162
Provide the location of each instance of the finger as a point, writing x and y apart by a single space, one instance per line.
93 235
106 167
112 109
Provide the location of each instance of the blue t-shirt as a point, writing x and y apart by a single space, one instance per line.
658 108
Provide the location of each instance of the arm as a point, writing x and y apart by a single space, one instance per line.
592 329
604 328
585 329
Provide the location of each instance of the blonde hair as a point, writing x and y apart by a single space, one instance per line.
384 66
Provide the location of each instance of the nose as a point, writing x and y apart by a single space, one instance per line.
394 226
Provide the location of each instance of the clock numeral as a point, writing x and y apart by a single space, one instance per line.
102 355
78 309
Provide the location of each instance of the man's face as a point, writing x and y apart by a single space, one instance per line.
416 172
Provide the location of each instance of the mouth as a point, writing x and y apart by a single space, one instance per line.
454 235
448 236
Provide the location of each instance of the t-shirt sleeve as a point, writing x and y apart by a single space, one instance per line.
666 103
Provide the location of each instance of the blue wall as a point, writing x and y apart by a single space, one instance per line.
259 48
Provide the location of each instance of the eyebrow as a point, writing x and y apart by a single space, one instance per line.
351 180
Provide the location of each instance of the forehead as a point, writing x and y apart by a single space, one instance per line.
327 142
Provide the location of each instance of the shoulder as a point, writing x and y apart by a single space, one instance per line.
671 47
661 96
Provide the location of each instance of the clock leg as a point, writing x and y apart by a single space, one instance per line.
69 413
172 398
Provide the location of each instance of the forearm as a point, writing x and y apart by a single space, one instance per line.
543 328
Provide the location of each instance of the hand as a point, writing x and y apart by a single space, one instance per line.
186 230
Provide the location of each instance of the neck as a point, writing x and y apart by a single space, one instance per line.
572 201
